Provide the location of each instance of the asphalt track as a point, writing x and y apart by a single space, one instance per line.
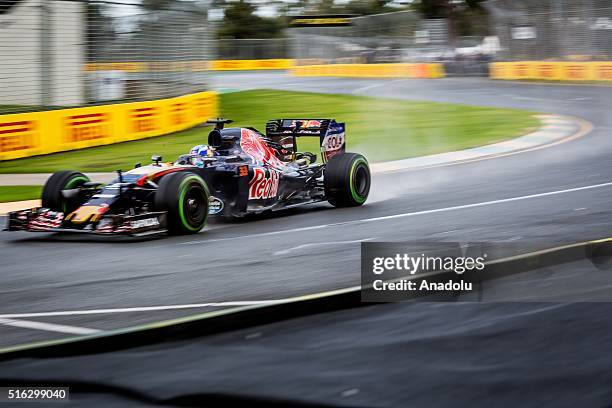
317 248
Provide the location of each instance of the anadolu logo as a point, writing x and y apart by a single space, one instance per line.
262 186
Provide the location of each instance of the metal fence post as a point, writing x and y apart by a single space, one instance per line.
46 53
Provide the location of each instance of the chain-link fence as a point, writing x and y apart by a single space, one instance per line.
251 49
61 53
552 29
389 37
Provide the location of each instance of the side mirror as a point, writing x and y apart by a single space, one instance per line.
156 159
137 165
183 159
71 194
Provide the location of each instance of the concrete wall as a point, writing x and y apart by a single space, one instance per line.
69 37
25 70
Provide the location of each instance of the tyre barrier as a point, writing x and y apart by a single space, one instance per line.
36 133
400 70
552 70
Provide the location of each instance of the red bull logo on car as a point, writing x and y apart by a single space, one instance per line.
307 123
252 144
263 186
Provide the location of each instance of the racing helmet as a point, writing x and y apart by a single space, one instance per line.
202 150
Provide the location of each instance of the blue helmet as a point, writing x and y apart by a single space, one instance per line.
202 150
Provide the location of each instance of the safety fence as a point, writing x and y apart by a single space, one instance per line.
432 70
45 45
30 134
251 48
552 70
555 30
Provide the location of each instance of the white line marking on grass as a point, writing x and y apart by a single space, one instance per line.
137 309
409 214
60 328
314 244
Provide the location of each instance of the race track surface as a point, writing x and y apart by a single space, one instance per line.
317 249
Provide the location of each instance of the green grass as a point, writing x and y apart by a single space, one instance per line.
381 129
10 109
19 193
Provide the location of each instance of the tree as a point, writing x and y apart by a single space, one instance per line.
366 7
240 21
466 17
6 5
158 4
434 8
100 30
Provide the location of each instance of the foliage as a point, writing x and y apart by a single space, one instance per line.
466 17
240 21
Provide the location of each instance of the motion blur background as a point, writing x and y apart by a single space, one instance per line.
68 53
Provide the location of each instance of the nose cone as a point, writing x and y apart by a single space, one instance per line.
86 213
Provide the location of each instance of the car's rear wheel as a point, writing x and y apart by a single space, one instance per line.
185 197
347 180
52 196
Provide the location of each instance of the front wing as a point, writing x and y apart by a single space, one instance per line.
45 220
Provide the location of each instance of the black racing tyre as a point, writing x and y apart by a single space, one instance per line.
347 180
52 197
185 197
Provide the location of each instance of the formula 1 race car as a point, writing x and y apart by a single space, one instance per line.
242 171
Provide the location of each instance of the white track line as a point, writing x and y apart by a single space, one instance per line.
314 244
60 328
409 214
136 309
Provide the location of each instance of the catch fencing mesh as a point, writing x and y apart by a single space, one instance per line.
388 37
65 53
251 49
552 29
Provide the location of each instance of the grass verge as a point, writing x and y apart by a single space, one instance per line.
19 193
381 129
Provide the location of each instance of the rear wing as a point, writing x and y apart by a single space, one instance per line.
329 132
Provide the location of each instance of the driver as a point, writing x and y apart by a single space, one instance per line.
196 155
203 150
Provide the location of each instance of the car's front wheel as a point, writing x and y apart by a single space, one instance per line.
52 196
185 197
347 180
